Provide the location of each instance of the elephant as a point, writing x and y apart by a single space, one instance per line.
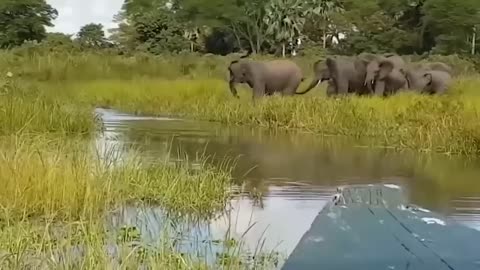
321 74
383 73
342 75
438 66
265 77
428 81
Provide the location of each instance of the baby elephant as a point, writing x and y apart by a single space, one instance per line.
429 81
265 77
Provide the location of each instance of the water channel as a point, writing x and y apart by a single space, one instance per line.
296 173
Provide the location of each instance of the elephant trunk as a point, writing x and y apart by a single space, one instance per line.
369 82
233 89
312 85
379 88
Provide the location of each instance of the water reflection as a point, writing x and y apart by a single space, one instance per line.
295 173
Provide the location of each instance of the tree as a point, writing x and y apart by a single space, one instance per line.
24 20
124 36
159 31
455 24
320 13
285 20
92 36
243 18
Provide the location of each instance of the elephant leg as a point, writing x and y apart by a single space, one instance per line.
379 88
291 88
331 91
258 90
342 86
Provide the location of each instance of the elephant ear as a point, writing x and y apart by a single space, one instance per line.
332 66
428 76
361 64
385 67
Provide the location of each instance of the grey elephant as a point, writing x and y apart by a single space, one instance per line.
389 79
428 81
342 75
265 77
438 66
383 73
321 74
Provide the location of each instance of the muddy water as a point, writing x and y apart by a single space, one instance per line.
295 174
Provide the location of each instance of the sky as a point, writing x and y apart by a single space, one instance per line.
73 14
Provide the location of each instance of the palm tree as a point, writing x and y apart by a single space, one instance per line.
285 20
324 9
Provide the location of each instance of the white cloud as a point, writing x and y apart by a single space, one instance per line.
73 14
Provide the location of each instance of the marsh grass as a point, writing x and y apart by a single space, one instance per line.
87 245
64 178
25 109
447 124
57 192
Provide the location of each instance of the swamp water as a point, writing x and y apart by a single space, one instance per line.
282 180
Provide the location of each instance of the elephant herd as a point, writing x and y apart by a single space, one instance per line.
365 74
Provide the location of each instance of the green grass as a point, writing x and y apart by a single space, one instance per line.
57 191
25 109
448 124
67 179
52 177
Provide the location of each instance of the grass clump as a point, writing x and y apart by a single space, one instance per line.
26 109
65 179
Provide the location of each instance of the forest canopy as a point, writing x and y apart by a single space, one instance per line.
273 26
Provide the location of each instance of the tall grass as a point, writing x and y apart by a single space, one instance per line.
25 109
57 192
66 179
448 124
57 188
196 86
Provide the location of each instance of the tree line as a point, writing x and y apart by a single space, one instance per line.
262 26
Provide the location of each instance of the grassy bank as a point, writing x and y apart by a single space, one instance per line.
58 188
195 86
66 178
26 109
448 124
53 178
57 191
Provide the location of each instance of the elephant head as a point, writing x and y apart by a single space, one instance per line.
389 79
239 73
373 67
321 74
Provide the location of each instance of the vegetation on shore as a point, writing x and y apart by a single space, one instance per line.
59 187
447 124
63 183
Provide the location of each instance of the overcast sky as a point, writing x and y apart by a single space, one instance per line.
73 14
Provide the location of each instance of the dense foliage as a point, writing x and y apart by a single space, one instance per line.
24 20
273 26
